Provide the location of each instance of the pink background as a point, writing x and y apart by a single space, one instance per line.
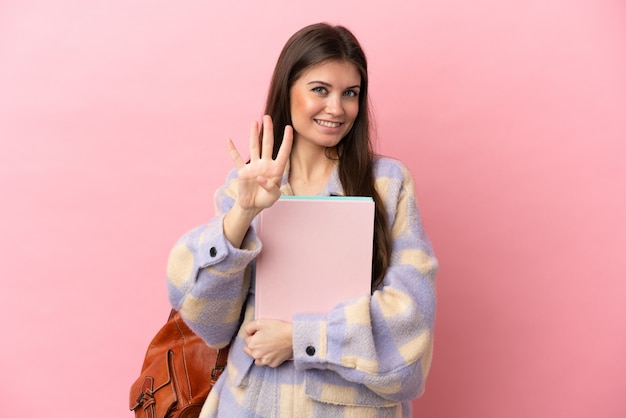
510 114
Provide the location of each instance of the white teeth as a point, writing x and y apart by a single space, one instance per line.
328 124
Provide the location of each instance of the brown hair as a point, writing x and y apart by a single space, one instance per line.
311 46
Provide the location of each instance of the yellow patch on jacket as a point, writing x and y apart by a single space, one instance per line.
359 363
416 347
386 389
419 259
294 402
192 308
359 312
342 395
179 265
393 302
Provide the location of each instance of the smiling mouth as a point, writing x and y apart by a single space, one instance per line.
328 124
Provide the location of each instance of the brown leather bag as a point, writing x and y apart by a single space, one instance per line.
177 374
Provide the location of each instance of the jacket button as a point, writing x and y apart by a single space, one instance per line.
310 351
212 252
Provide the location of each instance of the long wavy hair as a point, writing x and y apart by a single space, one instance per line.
310 46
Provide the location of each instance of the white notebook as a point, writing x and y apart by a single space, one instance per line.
317 252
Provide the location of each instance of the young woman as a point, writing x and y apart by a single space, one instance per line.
370 355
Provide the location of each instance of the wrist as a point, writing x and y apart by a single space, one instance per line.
236 224
242 215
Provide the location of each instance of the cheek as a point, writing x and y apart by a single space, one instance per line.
298 107
352 110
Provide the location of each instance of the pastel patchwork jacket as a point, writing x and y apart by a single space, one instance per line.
366 357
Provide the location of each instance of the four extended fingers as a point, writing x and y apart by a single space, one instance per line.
266 152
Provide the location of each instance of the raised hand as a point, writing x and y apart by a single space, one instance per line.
258 180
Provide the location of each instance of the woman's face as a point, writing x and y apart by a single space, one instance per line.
325 103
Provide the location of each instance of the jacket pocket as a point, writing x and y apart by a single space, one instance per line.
239 364
329 387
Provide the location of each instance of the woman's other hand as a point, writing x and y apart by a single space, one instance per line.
268 341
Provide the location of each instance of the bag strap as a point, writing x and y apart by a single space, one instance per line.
220 364
172 313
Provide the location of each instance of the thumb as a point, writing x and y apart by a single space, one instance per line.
267 184
251 327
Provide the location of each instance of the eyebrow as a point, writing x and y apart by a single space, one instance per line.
356 86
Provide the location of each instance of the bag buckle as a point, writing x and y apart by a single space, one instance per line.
216 372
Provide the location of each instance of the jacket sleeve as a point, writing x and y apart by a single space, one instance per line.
383 341
208 278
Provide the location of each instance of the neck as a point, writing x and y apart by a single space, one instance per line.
310 171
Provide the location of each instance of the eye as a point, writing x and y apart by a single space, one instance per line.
319 89
351 93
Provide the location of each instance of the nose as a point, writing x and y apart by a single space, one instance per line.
334 105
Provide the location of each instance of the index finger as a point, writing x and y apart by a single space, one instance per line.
254 141
234 154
